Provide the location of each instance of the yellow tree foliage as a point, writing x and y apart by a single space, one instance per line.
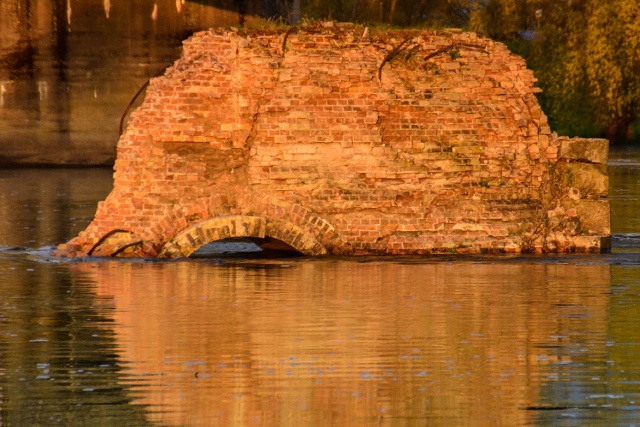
586 54
610 61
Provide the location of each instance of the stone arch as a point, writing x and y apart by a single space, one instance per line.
279 210
189 240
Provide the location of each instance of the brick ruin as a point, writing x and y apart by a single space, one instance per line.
336 139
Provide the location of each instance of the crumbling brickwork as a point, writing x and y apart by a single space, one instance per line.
340 140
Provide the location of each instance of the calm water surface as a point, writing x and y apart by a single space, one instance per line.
429 341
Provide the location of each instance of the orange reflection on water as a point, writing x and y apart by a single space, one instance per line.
312 343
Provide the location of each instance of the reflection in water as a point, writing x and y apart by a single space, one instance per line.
624 191
353 343
107 8
42 207
59 363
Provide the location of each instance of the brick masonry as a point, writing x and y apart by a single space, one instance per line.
339 140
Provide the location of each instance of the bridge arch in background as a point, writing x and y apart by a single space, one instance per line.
199 234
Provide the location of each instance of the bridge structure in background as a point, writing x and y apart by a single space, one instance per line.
343 140
69 68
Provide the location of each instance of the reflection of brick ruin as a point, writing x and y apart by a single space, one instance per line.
341 140
477 349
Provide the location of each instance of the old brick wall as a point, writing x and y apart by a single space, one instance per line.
336 139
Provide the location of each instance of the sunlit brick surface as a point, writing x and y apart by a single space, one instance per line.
340 140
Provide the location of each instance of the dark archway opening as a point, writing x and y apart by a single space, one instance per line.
246 247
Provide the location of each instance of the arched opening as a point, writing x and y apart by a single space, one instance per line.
266 234
246 247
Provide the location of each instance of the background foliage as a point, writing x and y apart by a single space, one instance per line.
585 53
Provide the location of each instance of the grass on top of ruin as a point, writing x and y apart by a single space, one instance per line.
269 26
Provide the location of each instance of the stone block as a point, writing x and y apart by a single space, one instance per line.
592 244
584 150
590 179
594 216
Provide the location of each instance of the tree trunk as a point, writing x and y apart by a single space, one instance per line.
295 15
354 12
392 11
619 132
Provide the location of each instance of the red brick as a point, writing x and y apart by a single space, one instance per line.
314 142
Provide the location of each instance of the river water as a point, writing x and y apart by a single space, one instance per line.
411 341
